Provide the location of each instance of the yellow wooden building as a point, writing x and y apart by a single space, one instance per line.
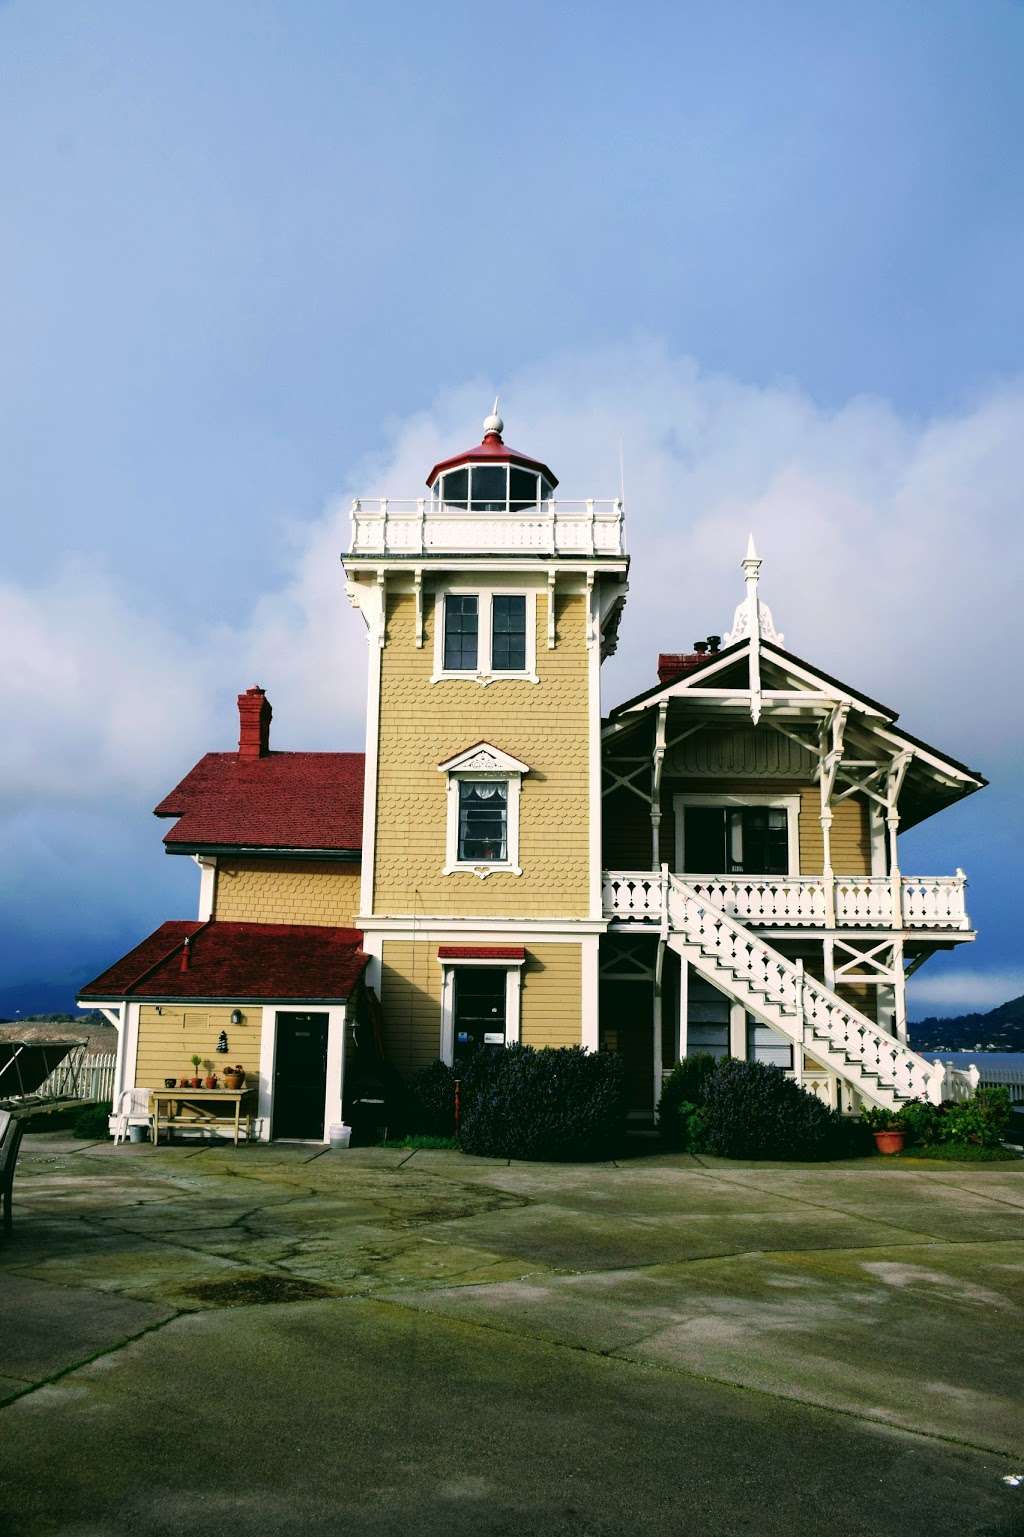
712 865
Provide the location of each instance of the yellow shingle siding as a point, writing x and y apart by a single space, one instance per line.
543 724
411 980
551 1007
168 1038
410 996
281 891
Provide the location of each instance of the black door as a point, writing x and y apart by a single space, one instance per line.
479 1009
300 1075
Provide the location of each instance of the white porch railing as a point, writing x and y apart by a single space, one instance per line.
798 901
383 526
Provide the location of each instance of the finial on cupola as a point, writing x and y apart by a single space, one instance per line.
493 424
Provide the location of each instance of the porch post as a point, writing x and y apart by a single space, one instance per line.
899 991
656 1022
684 988
657 760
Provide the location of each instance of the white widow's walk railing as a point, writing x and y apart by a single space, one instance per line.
862 901
383 526
778 991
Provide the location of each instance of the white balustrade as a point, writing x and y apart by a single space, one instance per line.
384 526
882 1068
632 896
798 901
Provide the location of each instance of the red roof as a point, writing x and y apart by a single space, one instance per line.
492 451
285 800
481 953
236 962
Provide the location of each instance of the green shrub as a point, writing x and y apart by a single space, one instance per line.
981 1120
430 1108
92 1122
558 1103
752 1110
684 1087
921 1123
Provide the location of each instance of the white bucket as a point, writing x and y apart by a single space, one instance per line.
340 1135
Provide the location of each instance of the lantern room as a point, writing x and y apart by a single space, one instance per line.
491 477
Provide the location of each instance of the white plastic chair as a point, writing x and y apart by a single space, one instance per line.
132 1110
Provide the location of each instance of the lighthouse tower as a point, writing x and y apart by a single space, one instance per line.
490 603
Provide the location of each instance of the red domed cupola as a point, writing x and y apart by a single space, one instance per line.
491 477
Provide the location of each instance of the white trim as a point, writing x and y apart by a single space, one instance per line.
512 779
590 1020
595 799
789 803
371 600
484 673
130 1049
459 930
483 761
334 1086
268 1057
513 1001
207 885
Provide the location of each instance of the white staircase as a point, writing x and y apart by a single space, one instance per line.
881 1069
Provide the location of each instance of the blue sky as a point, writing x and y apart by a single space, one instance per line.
258 256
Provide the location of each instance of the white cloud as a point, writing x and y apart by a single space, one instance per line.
964 992
891 549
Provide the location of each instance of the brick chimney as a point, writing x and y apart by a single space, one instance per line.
672 664
254 716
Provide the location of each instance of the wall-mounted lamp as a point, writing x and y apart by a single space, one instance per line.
222 1041
237 1017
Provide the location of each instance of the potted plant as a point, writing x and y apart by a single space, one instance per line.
210 1081
234 1077
196 1081
886 1128
170 1083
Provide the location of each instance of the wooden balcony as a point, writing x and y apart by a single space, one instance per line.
421 527
923 902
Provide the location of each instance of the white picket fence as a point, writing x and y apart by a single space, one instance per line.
81 1076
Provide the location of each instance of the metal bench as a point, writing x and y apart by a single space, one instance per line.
11 1132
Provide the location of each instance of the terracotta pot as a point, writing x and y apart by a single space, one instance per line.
233 1080
183 1083
195 1083
889 1141
211 1082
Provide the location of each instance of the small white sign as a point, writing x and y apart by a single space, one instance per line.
494 1038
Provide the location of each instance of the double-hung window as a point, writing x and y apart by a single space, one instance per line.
485 635
484 786
483 820
508 632
461 632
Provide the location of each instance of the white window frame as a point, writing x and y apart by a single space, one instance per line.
513 999
484 673
482 761
789 803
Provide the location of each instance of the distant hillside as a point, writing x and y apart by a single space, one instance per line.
1001 1029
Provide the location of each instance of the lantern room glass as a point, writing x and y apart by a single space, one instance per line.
491 488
